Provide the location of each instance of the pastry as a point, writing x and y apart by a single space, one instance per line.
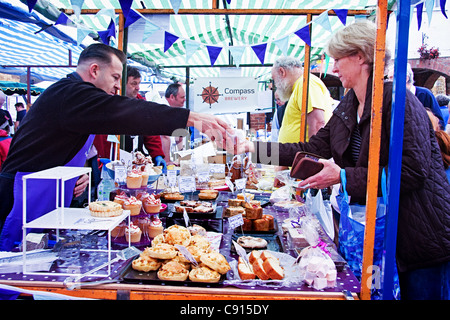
215 261
161 251
105 209
200 242
145 263
173 196
204 274
196 253
273 269
172 271
248 225
260 225
250 196
176 234
208 194
270 219
196 229
259 269
134 179
249 242
132 204
133 233
245 270
232 211
152 204
155 227
158 239
234 202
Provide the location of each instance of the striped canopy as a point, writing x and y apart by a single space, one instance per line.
234 34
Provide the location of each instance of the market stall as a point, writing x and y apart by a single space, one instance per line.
275 221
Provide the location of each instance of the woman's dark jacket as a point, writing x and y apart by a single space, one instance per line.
423 237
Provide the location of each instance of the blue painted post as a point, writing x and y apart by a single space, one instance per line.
396 144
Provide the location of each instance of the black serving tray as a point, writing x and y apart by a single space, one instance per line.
273 241
129 275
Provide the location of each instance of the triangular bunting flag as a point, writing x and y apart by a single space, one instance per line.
104 36
260 51
76 6
429 5
442 3
283 44
342 15
31 4
149 29
327 63
324 21
229 1
419 9
175 5
169 40
191 47
64 20
237 53
112 29
81 34
110 12
133 16
213 53
125 5
304 34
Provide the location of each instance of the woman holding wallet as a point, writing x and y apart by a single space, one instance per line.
423 241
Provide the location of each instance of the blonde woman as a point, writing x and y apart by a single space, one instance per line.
423 238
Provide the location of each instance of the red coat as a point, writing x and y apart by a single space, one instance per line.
151 143
5 142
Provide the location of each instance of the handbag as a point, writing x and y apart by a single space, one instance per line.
351 236
305 165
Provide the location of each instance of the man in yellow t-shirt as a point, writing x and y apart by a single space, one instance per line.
287 74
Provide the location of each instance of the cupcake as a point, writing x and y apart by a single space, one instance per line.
132 204
119 231
120 199
134 179
143 223
133 233
152 204
155 227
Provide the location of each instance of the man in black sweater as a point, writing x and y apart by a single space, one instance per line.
60 122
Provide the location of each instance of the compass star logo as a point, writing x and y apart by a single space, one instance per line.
210 95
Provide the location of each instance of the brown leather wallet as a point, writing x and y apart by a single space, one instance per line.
305 165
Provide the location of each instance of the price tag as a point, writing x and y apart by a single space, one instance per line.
240 183
203 177
120 174
229 184
186 254
216 168
186 218
187 184
241 252
171 178
235 221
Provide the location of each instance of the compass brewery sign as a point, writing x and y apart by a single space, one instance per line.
225 95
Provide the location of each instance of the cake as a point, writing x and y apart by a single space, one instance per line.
253 209
134 179
270 219
245 270
232 211
155 227
249 242
120 198
259 269
250 196
208 194
152 204
260 225
132 204
105 209
133 233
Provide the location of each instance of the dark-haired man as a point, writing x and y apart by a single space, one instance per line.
58 129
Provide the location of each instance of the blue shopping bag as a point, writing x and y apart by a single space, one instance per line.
351 235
